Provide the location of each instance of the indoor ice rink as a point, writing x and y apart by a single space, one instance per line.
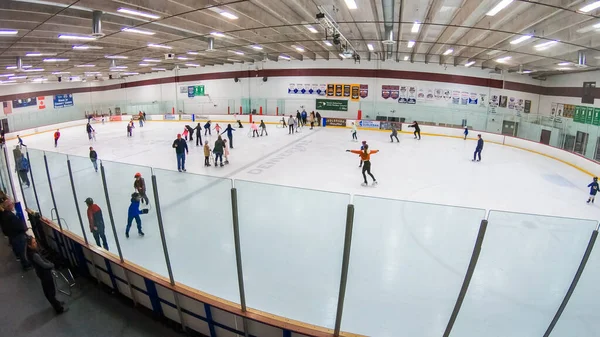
285 240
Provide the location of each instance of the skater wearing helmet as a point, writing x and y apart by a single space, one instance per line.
593 190
365 156
96 220
140 186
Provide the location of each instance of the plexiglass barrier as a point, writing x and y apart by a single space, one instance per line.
372 266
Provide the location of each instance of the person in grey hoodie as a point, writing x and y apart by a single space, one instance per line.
394 133
291 123
218 150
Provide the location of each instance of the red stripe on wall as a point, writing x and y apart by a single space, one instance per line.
354 73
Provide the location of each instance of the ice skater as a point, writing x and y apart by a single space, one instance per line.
354 138
198 129
303 117
466 132
478 149
254 129
226 152
190 132
229 131
318 119
22 167
185 133
291 124
239 124
593 190
96 221
56 137
181 149
89 130
217 128
362 147
263 128
207 128
21 141
365 156
311 119
417 129
394 133
298 118
206 154
129 131
94 158
140 186
133 213
141 119
218 150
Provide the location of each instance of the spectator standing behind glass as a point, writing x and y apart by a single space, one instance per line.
94 158
43 269
96 221
15 229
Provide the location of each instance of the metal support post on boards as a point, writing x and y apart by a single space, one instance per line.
345 264
37 200
75 199
52 194
238 256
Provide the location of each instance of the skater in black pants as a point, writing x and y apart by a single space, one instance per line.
394 134
263 128
15 229
43 269
365 156
593 190
318 118
190 132
291 124
207 128
198 129
299 117
417 129
229 131
218 151
478 148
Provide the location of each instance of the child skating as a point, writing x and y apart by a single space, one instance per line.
133 213
217 128
207 128
254 129
466 132
56 137
354 137
263 128
206 154
365 156
226 152
593 190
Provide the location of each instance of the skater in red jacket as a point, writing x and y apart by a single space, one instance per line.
56 137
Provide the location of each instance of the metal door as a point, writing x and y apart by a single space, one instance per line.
508 128
581 141
545 137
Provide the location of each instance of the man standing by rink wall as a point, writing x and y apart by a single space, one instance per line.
181 150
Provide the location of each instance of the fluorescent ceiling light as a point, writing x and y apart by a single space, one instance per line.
33 70
285 57
60 73
40 54
590 7
39 79
449 51
119 67
327 43
192 65
545 45
117 57
7 75
86 66
526 71
500 6
311 29
410 44
493 52
159 46
345 56
415 27
81 47
193 53
564 68
351 4
257 47
521 39
504 59
229 15
17 77
6 82
183 58
144 64
300 49
137 31
138 13
564 63
15 67
370 46
468 64
151 60
76 37
237 52
56 60
159 69
218 34
130 74
8 32
405 58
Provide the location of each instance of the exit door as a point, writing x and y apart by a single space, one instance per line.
510 128
581 141
545 137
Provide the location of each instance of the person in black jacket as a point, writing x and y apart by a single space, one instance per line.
207 128
417 129
94 158
181 149
479 148
43 269
319 118
89 129
229 131
190 132
198 129
15 229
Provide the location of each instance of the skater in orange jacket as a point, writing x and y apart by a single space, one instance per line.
365 155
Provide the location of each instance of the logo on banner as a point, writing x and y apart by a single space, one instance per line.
41 102
369 124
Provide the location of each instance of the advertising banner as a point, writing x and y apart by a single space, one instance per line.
589 116
347 90
7 107
455 97
388 125
390 91
596 120
195 90
171 117
503 101
527 107
511 102
354 92
568 110
482 100
331 90
473 98
41 100
186 117
63 101
21 103
553 108
412 95
335 121
464 98
364 90
403 95
332 104
369 124
339 90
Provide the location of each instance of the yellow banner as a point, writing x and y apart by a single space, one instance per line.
354 92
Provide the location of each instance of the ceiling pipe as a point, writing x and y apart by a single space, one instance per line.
97 24
388 23
581 58
19 63
211 44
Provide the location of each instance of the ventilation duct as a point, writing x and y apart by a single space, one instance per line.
211 44
388 23
581 61
97 24
19 63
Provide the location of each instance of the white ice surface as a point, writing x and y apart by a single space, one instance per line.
197 217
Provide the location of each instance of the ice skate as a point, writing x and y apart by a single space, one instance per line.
184 170
227 162
374 182
589 200
221 165
140 233
179 170
127 235
364 184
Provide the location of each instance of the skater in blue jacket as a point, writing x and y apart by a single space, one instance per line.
466 132
593 190
134 213
478 149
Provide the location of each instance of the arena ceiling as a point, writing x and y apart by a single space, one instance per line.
535 38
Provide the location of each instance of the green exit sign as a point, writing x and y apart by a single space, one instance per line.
332 104
199 90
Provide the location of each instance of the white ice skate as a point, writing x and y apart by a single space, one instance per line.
375 183
364 184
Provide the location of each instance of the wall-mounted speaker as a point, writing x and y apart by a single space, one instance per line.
236 80
265 79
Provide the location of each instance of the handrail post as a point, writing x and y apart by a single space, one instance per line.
75 199
52 193
345 265
238 256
